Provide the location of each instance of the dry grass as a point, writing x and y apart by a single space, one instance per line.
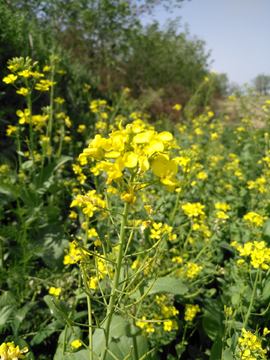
247 106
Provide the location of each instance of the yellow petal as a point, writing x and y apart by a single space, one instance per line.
113 154
143 163
142 137
130 159
165 136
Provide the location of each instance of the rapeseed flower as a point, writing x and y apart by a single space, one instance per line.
11 129
10 79
258 253
8 351
254 219
250 346
54 291
193 210
191 311
76 344
24 116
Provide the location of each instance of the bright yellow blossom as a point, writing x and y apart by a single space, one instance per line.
10 79
76 344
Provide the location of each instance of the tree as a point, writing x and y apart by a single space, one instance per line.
262 84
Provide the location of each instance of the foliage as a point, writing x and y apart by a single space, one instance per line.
165 247
261 84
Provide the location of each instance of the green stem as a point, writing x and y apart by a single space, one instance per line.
134 337
64 344
110 309
29 105
50 125
252 298
1 255
19 147
175 208
90 326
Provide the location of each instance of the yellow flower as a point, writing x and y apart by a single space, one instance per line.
11 129
93 283
81 128
92 233
25 73
191 311
47 68
254 218
8 351
73 215
59 100
177 107
22 91
36 75
62 72
24 117
195 209
222 206
10 79
221 215
44 85
54 291
129 197
76 344
67 138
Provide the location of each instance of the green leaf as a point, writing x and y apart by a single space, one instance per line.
179 350
30 198
213 320
52 245
121 348
266 228
54 312
167 285
4 315
234 341
79 315
20 316
46 332
22 343
216 349
50 169
227 355
68 338
27 164
80 355
266 290
119 326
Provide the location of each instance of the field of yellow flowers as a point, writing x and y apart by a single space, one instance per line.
124 238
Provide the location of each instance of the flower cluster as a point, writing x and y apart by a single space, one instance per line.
254 219
73 256
258 253
158 230
8 351
55 291
102 270
190 270
259 184
193 210
89 203
191 311
137 150
250 346
166 313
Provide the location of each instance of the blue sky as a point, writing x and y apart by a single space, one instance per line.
237 32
